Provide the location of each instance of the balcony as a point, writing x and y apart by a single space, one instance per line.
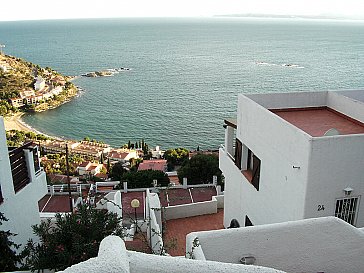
22 160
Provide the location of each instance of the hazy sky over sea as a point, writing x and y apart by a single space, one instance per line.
45 9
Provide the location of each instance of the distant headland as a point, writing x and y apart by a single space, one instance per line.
291 16
27 87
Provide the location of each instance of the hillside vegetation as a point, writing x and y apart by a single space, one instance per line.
18 75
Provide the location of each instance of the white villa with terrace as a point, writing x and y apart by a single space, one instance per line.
296 156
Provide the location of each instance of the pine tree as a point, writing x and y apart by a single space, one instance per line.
8 256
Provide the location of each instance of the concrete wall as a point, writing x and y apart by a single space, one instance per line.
290 100
193 209
113 257
348 105
20 208
280 146
336 162
312 245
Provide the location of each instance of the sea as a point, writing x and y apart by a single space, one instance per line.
185 74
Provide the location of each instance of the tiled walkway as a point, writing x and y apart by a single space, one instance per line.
176 230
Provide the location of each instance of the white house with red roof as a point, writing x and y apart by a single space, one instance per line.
122 155
89 167
296 156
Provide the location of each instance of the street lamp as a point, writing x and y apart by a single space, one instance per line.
135 204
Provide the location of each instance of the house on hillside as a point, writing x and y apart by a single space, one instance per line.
122 155
39 83
88 167
295 156
157 152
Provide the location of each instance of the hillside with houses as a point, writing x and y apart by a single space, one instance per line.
25 86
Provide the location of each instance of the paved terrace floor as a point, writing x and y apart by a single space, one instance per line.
54 203
177 229
173 197
316 122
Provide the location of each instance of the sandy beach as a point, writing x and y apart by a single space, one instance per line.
15 123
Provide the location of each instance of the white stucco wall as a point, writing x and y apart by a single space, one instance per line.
192 209
328 164
336 162
113 257
20 208
280 146
290 100
154 219
347 102
313 245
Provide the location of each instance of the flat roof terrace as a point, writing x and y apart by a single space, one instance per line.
316 121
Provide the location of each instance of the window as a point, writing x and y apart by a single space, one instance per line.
347 209
252 172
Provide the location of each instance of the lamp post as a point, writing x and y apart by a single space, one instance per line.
135 204
68 180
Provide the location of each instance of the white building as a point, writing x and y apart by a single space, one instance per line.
39 83
88 167
122 155
296 156
22 184
157 152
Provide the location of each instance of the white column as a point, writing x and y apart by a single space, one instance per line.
125 187
229 137
30 164
6 178
185 182
214 180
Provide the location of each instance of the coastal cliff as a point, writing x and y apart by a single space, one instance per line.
26 87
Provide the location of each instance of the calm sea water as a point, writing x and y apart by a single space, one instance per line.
185 73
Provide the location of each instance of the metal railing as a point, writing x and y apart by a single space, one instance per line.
228 154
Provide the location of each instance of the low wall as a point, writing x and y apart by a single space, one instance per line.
194 209
326 244
113 257
154 229
111 202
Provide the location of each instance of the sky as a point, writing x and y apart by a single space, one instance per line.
52 9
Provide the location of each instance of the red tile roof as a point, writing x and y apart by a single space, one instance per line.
158 165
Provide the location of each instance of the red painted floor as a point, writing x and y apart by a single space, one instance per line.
317 122
56 203
177 229
203 194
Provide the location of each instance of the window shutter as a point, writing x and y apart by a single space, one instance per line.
238 153
256 172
